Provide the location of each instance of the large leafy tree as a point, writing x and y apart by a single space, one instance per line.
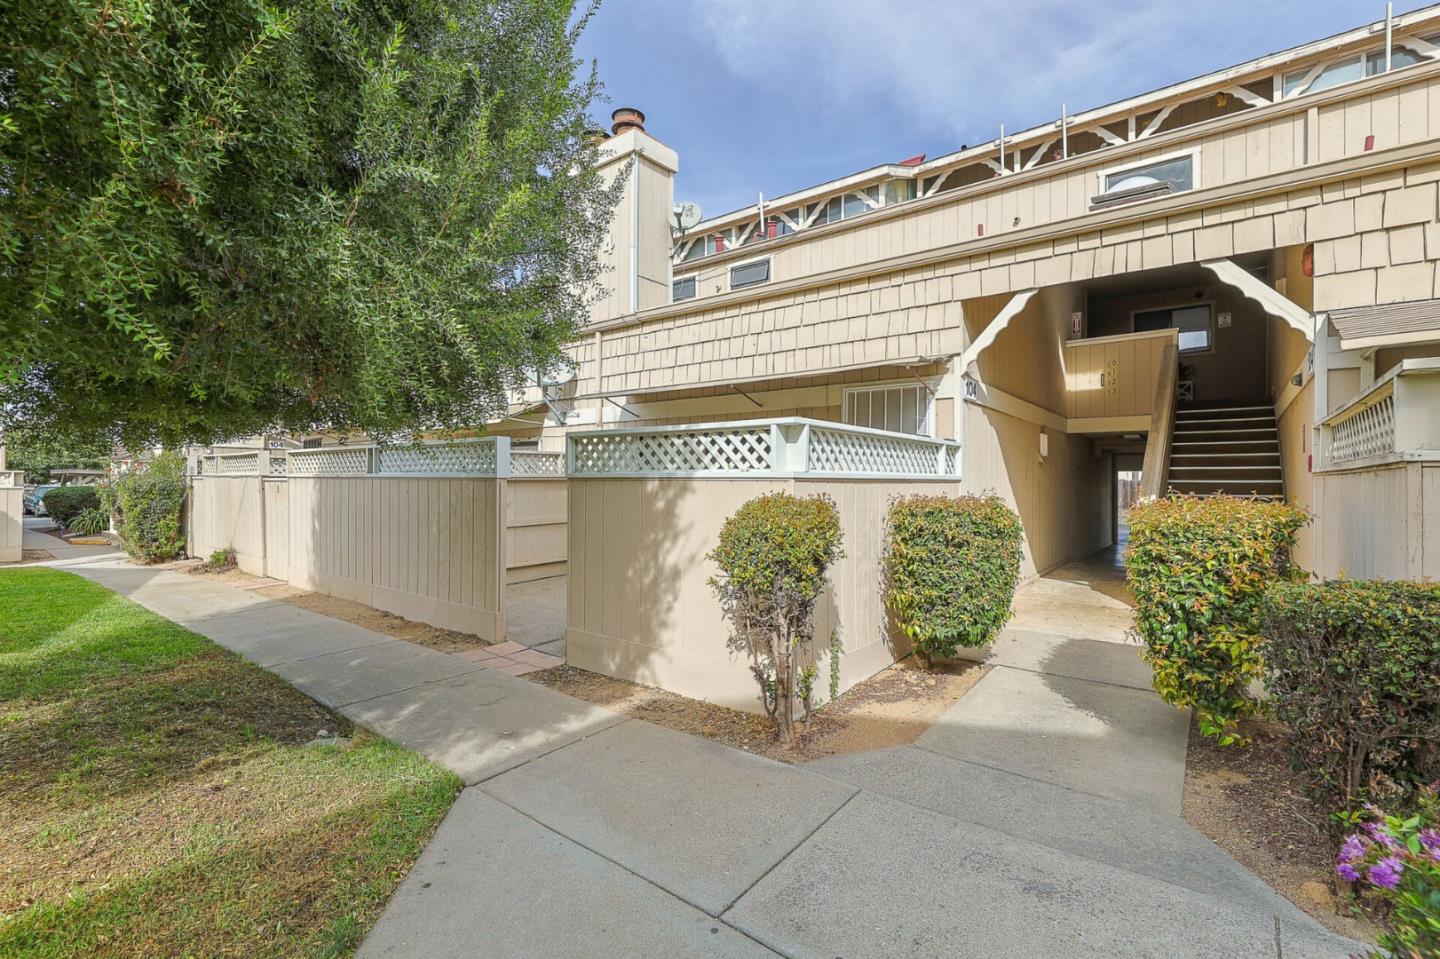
36 451
224 216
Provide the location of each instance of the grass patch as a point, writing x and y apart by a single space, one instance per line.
160 796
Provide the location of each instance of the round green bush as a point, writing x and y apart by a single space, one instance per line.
1353 670
773 555
149 505
64 503
951 567
1199 567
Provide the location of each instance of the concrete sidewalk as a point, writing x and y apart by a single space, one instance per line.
1037 819
64 553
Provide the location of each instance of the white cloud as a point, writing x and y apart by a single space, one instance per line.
962 68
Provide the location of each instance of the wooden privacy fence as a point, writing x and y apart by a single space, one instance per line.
432 532
646 506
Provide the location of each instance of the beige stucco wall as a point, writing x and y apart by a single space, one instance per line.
641 609
1380 523
427 548
12 515
535 516
1063 498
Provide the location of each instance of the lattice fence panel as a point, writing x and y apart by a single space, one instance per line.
234 464
470 459
531 463
1370 432
841 451
693 450
336 461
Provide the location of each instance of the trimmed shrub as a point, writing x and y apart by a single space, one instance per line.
64 503
951 566
1353 669
773 556
1198 567
149 506
1395 860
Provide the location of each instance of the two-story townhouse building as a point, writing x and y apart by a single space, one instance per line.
1226 285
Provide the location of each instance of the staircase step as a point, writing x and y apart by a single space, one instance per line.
1240 447
1226 457
1224 436
1234 487
1186 412
1225 423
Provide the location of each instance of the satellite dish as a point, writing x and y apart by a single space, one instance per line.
684 216
558 375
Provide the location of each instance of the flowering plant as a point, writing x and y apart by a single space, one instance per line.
1397 861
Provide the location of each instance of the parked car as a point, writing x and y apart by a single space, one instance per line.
35 498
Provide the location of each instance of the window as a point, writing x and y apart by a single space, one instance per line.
749 274
1193 322
311 443
704 246
1178 171
1351 68
900 409
898 191
682 289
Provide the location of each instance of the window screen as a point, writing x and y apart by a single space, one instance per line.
900 409
748 274
682 289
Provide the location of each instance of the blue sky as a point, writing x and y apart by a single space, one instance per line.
775 95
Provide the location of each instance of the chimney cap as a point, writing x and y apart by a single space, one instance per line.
626 118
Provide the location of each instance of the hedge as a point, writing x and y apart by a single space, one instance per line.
1198 567
951 567
1353 669
64 503
773 555
149 505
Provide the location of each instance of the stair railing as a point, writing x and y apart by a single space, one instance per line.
1156 467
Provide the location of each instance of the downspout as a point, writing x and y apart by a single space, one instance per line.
635 234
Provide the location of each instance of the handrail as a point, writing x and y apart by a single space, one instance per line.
1156 466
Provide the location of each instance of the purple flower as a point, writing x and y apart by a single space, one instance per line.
1347 872
1386 872
1380 834
1352 849
1430 839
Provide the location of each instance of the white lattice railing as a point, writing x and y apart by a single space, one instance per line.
535 463
1394 419
231 464
330 461
1367 432
781 447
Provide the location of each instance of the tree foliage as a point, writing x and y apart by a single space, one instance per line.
774 553
37 449
228 216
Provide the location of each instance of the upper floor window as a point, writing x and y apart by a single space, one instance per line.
1313 79
844 207
749 274
311 443
899 409
682 289
1193 322
1178 172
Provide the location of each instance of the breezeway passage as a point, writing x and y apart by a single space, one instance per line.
586 833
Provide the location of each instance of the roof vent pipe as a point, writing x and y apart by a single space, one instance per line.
626 118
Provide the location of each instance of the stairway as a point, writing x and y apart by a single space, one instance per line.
1226 448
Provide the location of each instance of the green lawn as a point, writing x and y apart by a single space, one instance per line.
158 796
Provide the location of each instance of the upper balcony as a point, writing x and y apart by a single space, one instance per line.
1391 421
1193 144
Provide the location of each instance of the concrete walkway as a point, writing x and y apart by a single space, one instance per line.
31 537
1039 818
